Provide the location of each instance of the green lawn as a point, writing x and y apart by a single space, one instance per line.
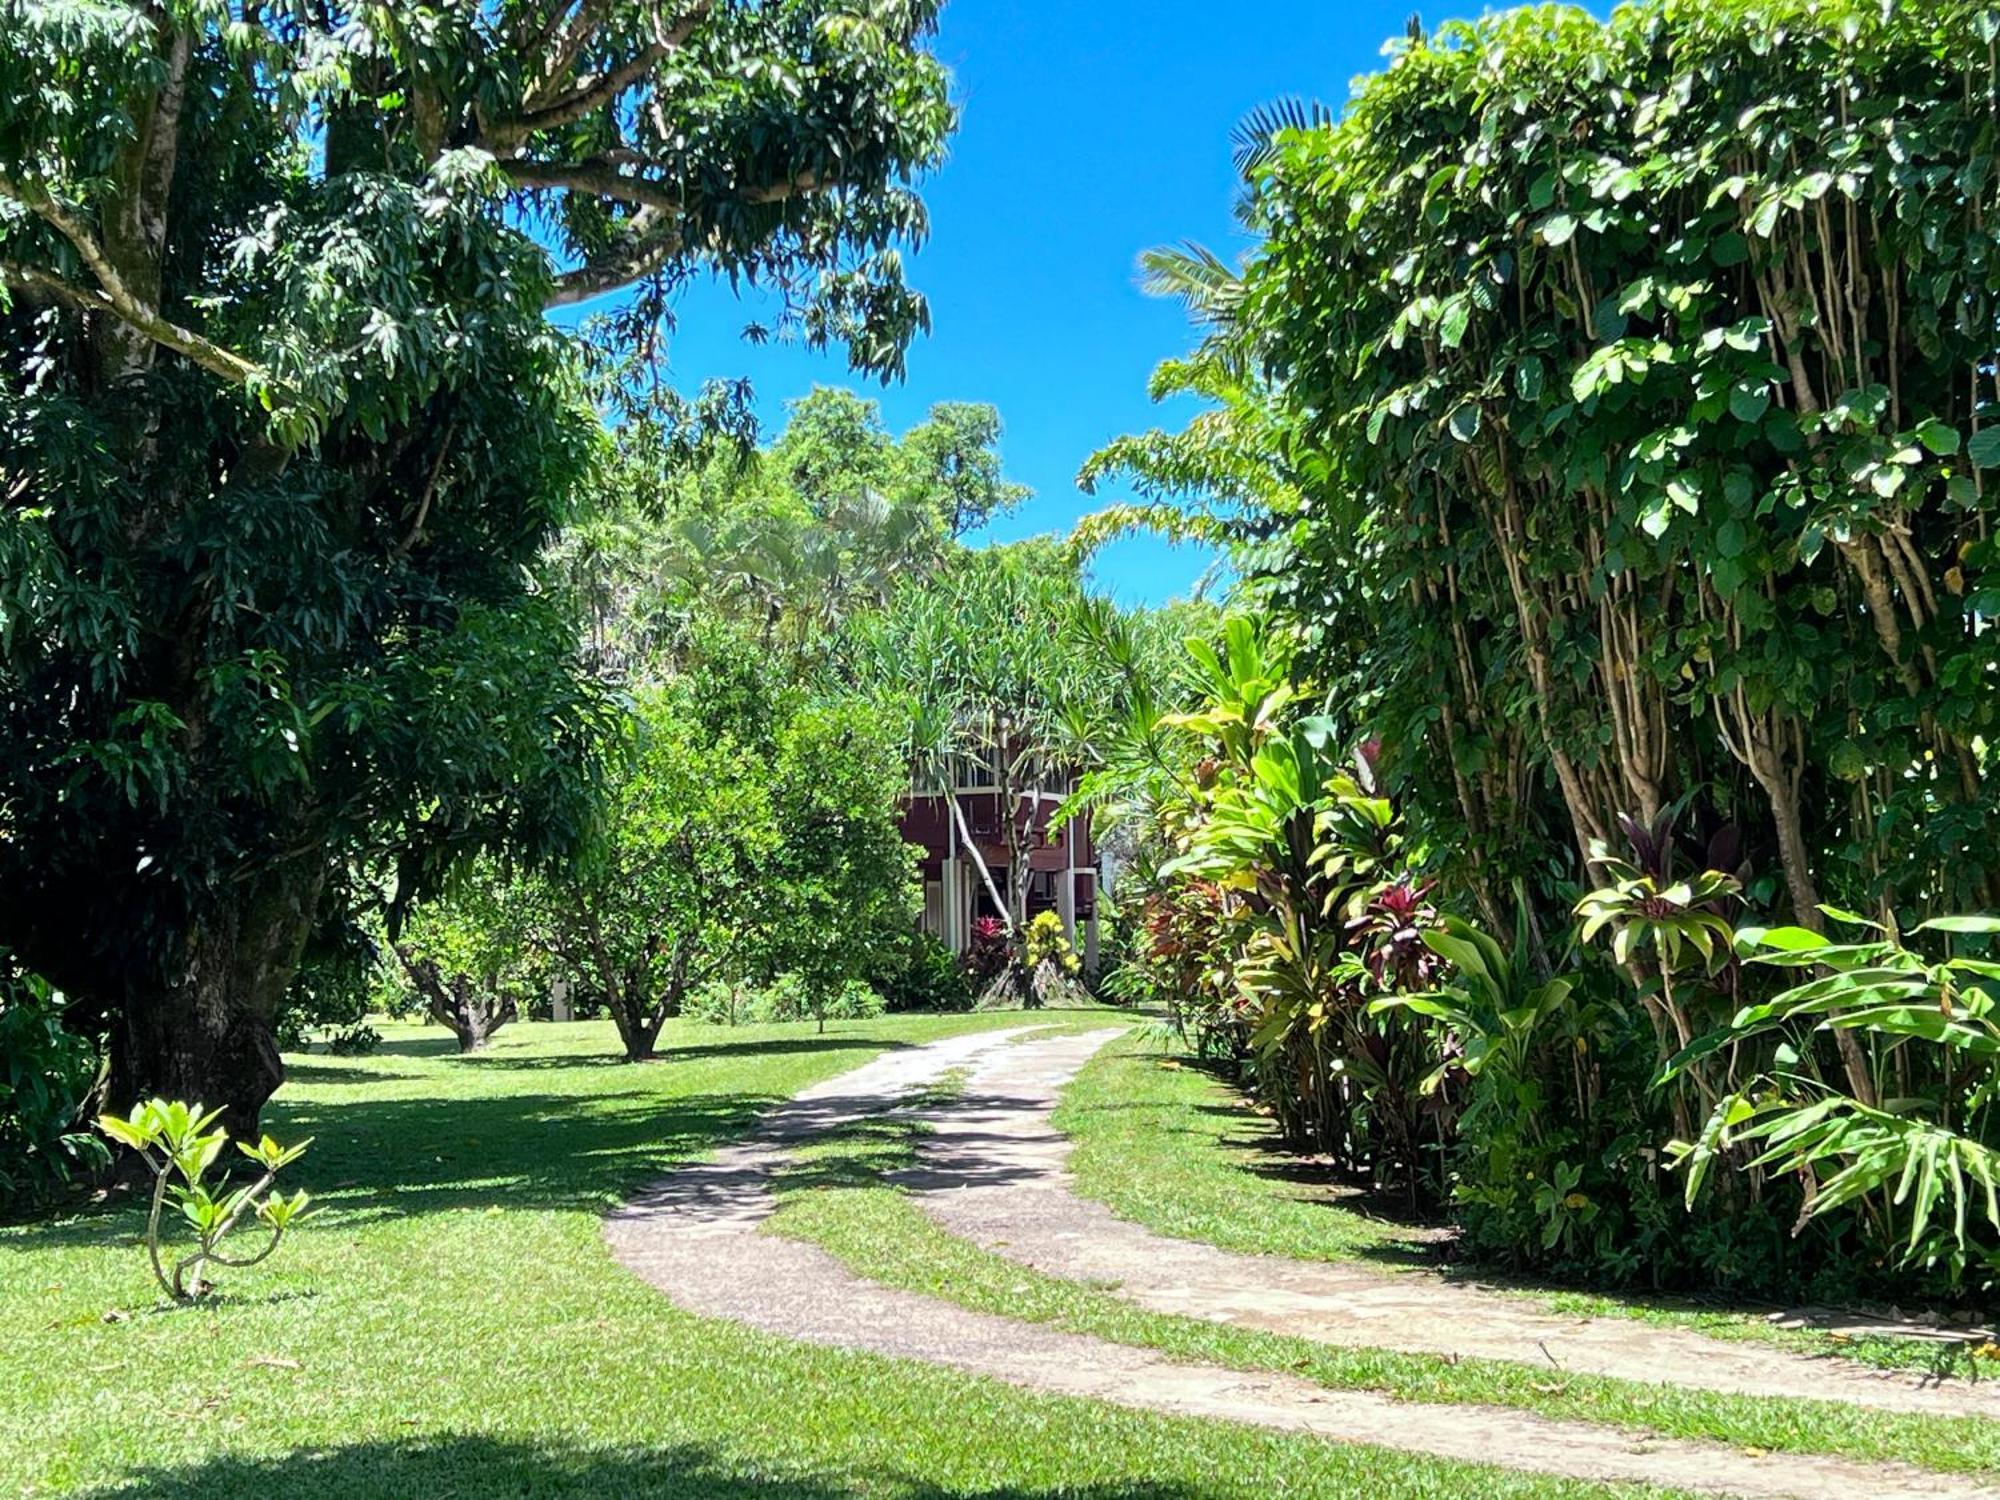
452 1326
1164 1142
835 1198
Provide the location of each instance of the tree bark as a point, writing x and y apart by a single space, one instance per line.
470 1013
207 1034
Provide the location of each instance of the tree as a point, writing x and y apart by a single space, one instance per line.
840 891
666 897
469 955
791 542
282 427
999 678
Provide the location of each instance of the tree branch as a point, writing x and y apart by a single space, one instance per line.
114 297
210 356
544 109
598 178
608 273
650 239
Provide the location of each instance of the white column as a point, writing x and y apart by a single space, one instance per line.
953 905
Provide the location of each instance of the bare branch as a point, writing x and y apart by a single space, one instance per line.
416 530
637 259
209 355
600 179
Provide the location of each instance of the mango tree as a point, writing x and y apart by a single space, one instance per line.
282 426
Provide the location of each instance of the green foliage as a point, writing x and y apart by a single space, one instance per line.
840 888
1601 411
178 1146
667 896
788 997
1285 909
1921 1171
285 432
785 545
46 1073
925 975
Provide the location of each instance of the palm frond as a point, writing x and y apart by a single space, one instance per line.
1254 139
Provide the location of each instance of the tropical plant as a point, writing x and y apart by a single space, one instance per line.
1600 415
178 1146
924 974
1049 944
1921 1170
838 889
998 678
46 1075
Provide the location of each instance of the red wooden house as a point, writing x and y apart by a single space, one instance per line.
1062 867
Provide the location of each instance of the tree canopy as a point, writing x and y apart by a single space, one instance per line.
284 434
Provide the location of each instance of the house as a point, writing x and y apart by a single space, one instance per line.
1062 871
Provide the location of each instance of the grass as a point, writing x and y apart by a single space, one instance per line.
1164 1142
835 1198
451 1324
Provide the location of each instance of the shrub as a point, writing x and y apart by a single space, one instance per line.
986 959
725 1002
930 978
856 1000
1048 943
174 1141
46 1072
785 999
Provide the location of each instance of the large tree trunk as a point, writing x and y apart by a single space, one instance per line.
638 1030
207 1034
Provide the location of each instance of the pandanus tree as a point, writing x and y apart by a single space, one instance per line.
989 658
282 425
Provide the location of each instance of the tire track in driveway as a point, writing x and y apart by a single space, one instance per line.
695 1235
993 1169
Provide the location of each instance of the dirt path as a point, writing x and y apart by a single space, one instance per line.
695 1236
993 1172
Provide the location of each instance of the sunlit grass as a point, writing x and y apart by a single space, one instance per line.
452 1325
1164 1142
835 1198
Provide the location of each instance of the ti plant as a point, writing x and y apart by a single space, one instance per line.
177 1145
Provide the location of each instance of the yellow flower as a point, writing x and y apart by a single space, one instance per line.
1576 1200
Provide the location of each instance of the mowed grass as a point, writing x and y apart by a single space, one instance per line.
451 1325
835 1197
1162 1141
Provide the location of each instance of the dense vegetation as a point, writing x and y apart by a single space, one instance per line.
284 430
1602 422
1573 824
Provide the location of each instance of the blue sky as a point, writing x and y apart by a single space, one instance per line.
1089 132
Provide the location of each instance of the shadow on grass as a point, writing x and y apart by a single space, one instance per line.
479 1468
769 1047
377 1159
562 1151
305 1072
